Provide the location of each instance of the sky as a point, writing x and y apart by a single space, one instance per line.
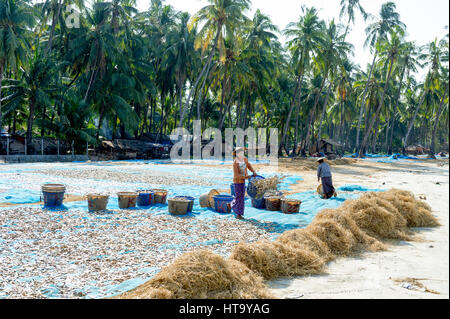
425 19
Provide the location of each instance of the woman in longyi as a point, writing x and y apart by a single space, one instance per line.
240 166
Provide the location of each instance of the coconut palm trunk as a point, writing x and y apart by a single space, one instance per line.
298 88
394 111
413 119
204 70
30 123
297 123
52 30
377 113
436 123
364 96
1 80
313 112
324 109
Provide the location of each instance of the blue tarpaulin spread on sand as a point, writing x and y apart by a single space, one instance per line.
276 222
19 196
12 191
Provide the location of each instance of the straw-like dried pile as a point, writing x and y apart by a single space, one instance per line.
389 215
202 274
343 219
267 184
343 161
416 213
308 164
304 239
339 240
360 224
275 259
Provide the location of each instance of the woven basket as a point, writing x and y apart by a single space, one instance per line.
207 199
178 206
320 190
160 195
97 202
146 198
273 203
290 206
127 199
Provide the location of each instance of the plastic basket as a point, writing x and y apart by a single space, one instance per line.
97 202
178 206
251 188
259 203
145 198
222 203
191 202
53 194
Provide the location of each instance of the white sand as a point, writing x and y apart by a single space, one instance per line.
371 274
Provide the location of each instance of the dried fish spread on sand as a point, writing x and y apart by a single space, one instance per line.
72 254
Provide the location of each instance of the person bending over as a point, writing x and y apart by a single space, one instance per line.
324 173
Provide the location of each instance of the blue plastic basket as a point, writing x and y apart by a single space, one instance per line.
53 199
222 203
259 203
251 189
145 198
191 202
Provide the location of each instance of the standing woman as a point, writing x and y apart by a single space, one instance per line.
324 173
240 166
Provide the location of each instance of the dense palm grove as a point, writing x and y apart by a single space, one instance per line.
137 72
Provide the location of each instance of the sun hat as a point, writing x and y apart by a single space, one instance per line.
321 159
239 149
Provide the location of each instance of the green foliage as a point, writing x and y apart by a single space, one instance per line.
137 72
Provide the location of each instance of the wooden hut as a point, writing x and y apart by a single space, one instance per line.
326 147
416 150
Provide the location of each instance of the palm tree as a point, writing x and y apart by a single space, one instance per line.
16 19
439 112
344 91
73 121
219 16
53 8
36 87
92 46
348 8
332 52
392 50
409 62
433 57
305 37
118 10
182 50
377 32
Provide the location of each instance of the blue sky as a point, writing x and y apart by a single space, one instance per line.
425 19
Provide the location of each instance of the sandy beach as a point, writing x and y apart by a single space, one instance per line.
392 274
75 254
